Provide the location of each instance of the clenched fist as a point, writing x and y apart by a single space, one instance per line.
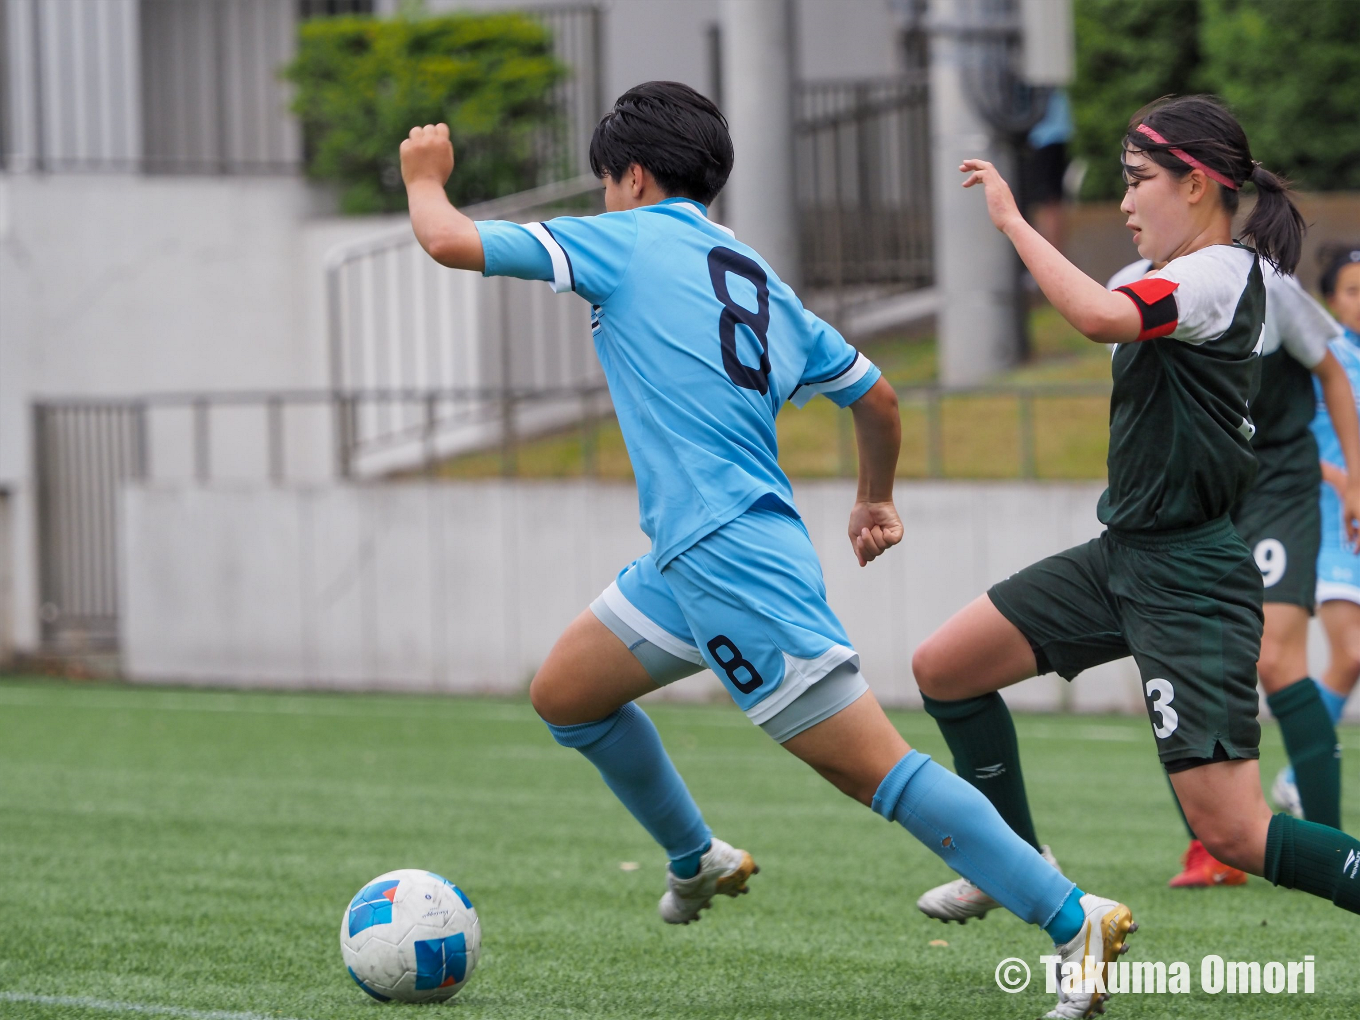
427 155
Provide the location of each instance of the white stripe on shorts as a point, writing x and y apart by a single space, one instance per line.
630 614
799 675
1336 591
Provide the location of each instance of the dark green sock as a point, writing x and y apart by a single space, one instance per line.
981 735
1310 739
1180 810
1314 859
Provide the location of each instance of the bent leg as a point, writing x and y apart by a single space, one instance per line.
584 692
1224 803
959 669
861 753
1284 646
1341 620
588 674
976 652
1305 724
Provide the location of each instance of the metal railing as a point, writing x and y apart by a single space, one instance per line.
862 166
87 450
400 323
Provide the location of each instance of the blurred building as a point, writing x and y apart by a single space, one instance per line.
159 242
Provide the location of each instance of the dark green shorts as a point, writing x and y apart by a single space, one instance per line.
1185 604
1281 522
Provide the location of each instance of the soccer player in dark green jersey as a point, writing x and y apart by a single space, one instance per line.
1170 582
1280 520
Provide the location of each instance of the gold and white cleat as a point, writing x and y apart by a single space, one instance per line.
1100 941
723 871
960 900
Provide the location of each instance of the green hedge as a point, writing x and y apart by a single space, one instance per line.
1290 69
362 83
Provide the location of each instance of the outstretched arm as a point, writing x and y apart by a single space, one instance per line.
1104 316
1340 401
874 524
450 237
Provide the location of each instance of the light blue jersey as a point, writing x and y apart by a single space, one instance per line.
701 345
1338 570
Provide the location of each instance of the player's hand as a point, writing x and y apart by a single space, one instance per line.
874 529
1350 513
427 154
1001 205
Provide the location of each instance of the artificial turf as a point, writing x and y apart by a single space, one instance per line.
191 849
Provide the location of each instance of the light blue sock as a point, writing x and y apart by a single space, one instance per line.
961 827
1335 703
627 750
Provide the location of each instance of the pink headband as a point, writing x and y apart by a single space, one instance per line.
1186 158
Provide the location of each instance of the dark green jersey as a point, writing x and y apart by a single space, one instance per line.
1293 342
1180 431
1285 404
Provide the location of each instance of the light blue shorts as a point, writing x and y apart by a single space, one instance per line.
748 602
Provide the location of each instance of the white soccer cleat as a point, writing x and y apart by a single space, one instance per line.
960 899
723 870
1099 942
1285 793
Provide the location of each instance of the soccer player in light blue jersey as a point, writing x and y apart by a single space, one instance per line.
701 345
1338 568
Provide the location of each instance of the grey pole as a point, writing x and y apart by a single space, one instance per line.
757 43
974 263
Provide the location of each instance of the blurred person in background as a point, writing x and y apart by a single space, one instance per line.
1045 164
1338 568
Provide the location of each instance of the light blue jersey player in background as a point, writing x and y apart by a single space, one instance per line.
1338 568
701 345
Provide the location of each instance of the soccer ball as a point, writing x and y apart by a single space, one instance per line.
411 936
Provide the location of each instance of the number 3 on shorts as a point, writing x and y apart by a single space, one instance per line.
1270 560
1162 694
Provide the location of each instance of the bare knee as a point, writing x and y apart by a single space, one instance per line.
1273 666
928 667
1231 838
551 701
1280 663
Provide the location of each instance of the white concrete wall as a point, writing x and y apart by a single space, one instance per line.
465 587
125 284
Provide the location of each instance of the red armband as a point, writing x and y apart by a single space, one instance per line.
1156 305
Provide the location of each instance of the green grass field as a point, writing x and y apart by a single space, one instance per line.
195 850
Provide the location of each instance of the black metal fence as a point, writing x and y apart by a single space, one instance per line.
862 165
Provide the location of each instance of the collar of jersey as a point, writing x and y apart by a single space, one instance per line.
697 208
692 203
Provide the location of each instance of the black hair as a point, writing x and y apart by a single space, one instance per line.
676 134
1205 129
1334 258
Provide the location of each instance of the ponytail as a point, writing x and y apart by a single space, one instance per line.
1274 226
1183 132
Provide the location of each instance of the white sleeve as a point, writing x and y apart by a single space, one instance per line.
1303 326
1133 271
1211 282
